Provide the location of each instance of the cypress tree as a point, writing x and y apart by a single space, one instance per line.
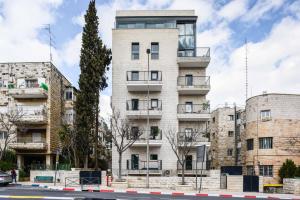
94 61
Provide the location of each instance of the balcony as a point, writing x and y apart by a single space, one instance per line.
138 109
29 143
193 112
138 167
192 167
186 139
155 140
137 81
190 85
28 92
200 58
32 115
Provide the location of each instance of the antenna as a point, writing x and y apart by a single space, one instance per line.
246 66
48 28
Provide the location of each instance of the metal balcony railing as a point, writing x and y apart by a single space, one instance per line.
153 136
28 139
142 165
198 52
193 108
143 76
142 105
186 137
197 81
31 111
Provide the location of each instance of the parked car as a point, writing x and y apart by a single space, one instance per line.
5 178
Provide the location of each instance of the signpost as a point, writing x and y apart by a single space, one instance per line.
200 158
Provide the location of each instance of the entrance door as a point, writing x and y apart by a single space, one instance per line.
135 161
36 137
189 162
250 183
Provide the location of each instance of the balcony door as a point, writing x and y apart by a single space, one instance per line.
188 107
188 134
134 75
36 137
189 80
189 162
135 104
135 161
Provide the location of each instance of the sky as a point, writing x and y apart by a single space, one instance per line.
271 28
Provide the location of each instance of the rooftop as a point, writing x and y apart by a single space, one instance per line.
154 13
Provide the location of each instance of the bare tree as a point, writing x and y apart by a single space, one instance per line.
10 123
182 145
122 136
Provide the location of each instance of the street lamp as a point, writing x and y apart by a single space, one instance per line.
148 128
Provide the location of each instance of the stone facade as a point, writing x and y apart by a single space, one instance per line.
272 133
291 186
223 135
37 90
166 90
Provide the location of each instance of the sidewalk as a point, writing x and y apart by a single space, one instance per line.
158 191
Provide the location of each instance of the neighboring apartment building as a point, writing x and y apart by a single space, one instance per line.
42 95
272 134
177 83
226 127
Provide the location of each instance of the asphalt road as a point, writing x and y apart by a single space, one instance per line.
37 193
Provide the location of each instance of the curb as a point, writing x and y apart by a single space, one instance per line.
177 194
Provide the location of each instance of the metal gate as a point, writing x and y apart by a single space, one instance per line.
223 181
251 183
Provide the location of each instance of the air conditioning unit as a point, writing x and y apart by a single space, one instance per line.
167 173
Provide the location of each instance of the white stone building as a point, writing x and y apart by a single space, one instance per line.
177 83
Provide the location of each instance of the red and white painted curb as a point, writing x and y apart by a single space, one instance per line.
247 196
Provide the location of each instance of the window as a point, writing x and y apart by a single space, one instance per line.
186 39
134 75
265 115
153 157
135 104
266 143
188 134
154 50
188 80
3 135
249 144
154 104
250 170
2 84
188 107
154 132
68 94
154 75
230 133
231 117
229 152
214 119
134 132
266 170
31 83
135 51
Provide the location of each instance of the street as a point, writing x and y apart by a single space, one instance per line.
38 193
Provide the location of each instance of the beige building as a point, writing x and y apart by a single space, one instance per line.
272 134
42 95
177 83
226 127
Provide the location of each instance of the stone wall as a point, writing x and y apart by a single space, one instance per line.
235 183
291 186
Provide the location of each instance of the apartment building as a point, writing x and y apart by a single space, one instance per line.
272 134
178 86
42 96
226 127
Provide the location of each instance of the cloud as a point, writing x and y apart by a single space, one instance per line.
234 9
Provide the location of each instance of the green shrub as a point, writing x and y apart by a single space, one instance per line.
297 174
287 170
6 166
10 156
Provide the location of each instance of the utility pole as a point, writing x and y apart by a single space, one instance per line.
235 137
148 128
246 67
48 28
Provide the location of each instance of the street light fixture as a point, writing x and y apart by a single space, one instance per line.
148 128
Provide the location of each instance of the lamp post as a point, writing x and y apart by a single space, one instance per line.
148 128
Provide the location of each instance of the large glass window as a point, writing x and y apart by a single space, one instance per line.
186 39
31 83
266 143
135 51
266 170
265 115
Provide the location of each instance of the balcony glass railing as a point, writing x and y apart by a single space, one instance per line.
144 75
28 139
142 165
191 165
192 137
196 81
134 105
153 136
197 52
193 108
